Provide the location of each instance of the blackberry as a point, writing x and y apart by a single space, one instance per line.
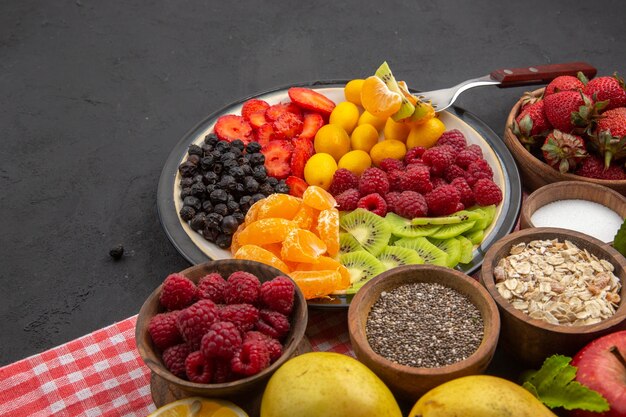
233 206
207 207
210 177
239 216
207 162
219 196
221 209
192 201
237 173
214 220
185 192
259 173
198 222
266 188
198 190
257 159
211 139
186 182
187 169
281 187
237 144
194 159
187 213
253 147
272 181
229 225
251 185
257 197
224 241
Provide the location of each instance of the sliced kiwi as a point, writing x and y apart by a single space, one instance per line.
393 256
347 243
475 237
430 253
488 213
405 228
362 267
370 230
467 215
451 230
450 246
421 221
467 250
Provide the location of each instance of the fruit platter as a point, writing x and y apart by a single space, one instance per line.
356 164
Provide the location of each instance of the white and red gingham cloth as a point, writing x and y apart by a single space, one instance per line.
101 374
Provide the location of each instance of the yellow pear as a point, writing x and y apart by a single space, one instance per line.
479 396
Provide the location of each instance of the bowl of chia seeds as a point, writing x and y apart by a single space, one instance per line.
419 326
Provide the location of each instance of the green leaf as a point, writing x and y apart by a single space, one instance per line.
554 385
619 242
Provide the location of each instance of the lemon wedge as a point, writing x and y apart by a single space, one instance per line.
199 407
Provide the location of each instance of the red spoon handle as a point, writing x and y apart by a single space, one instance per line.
540 74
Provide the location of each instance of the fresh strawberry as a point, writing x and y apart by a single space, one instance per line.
257 119
531 124
607 88
276 110
312 123
569 110
311 100
563 83
563 151
230 127
529 98
265 134
302 150
277 157
253 106
296 185
288 125
609 136
593 167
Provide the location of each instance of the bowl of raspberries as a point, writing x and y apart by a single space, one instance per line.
574 129
221 328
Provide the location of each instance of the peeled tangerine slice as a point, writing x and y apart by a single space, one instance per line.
305 216
328 229
257 253
302 246
327 263
318 198
283 206
315 284
266 231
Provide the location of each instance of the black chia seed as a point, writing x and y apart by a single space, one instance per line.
424 325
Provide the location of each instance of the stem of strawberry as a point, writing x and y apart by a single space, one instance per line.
615 351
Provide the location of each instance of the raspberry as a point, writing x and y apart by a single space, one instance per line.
443 200
194 321
468 155
274 347
453 138
374 203
177 292
480 169
438 182
244 316
465 191
486 192
411 204
211 287
343 180
278 294
390 164
221 371
373 180
414 155
174 359
163 330
391 200
242 287
273 324
198 368
251 359
221 341
438 158
395 180
452 172
348 200
417 179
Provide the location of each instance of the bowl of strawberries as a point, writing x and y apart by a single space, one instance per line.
574 129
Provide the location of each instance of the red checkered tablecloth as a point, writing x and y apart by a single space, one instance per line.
101 374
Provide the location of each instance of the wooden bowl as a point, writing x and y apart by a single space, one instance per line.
571 190
531 340
239 390
536 173
409 382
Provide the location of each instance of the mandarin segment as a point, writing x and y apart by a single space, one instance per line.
234 246
275 248
328 229
327 263
315 284
264 231
305 217
302 246
283 206
257 253
318 198
253 211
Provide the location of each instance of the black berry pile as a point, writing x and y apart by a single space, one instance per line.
219 182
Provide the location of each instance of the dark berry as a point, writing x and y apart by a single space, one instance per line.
237 173
186 182
272 181
228 156
187 213
232 206
194 159
229 225
193 202
198 179
259 173
206 148
281 187
257 197
217 168
117 252
210 178
224 241
257 159
185 192
253 147
237 143
219 196
210 188
187 169
247 169
266 188
222 146
251 185
198 190
240 189
245 202
239 217
211 139
214 220
221 209
207 207
210 234
207 162
198 222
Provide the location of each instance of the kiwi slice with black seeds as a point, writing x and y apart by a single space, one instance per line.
467 250
393 256
450 246
448 231
370 230
430 253
362 267
476 237
403 227
347 243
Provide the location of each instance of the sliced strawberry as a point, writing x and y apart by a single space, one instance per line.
302 150
311 100
230 127
277 157
288 125
253 106
296 185
312 123
257 119
265 134
276 110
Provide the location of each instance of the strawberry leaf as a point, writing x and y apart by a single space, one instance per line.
619 242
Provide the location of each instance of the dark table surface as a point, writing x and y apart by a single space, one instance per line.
95 94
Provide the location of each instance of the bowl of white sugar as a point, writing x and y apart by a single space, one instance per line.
592 209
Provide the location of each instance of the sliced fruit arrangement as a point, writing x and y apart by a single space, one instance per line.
299 236
370 244
577 126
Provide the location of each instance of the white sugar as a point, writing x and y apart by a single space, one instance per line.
582 216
